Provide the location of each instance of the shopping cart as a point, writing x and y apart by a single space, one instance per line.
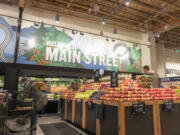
20 120
3 110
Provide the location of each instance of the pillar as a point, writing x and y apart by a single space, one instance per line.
153 52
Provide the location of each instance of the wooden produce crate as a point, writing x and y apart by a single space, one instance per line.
168 122
89 121
109 124
69 110
78 113
62 108
144 124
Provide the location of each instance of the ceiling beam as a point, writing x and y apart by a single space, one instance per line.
51 10
144 5
139 11
108 4
168 41
171 5
171 25
100 11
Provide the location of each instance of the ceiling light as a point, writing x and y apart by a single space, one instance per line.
96 8
103 21
166 27
127 2
101 33
163 5
36 24
115 31
81 33
68 5
158 35
89 10
57 18
149 40
73 32
107 39
113 40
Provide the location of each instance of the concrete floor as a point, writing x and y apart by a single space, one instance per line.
51 119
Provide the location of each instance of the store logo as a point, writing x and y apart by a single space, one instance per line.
173 71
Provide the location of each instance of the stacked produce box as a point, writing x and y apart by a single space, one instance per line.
144 81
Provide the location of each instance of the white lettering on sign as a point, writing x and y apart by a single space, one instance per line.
51 54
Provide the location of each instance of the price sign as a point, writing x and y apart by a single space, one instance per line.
69 101
100 111
114 79
75 85
89 105
96 75
138 108
168 106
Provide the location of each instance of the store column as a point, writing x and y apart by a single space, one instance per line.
161 60
11 79
153 52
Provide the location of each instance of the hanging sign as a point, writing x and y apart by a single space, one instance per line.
96 75
51 46
114 79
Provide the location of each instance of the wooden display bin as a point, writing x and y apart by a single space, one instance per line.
62 108
117 120
109 125
69 111
78 113
144 124
168 122
89 118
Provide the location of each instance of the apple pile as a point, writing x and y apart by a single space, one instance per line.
163 94
70 94
104 86
92 86
127 83
144 81
126 94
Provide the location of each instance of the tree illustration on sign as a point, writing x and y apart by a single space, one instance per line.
42 35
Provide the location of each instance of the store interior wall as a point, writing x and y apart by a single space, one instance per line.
165 55
73 23
81 25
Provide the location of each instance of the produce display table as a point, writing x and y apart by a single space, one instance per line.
118 118
169 121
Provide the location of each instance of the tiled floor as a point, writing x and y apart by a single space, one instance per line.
49 120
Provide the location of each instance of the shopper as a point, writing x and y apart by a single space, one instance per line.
36 91
155 78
